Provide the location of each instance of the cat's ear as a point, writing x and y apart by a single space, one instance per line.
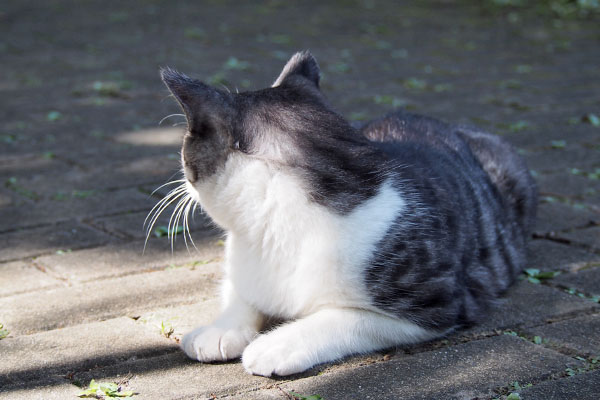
302 65
201 103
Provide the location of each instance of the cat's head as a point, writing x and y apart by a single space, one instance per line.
270 123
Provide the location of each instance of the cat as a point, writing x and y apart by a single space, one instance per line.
360 238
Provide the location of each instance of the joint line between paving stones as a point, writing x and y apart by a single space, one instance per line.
566 241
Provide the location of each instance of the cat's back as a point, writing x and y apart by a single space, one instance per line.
422 138
464 240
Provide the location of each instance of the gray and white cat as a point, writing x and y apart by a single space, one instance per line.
362 239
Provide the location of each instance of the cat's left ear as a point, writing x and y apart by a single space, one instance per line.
302 66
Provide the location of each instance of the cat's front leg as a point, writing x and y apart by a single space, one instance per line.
227 337
327 335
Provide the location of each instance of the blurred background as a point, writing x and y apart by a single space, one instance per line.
82 99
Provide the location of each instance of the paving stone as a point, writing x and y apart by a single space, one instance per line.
18 277
465 371
554 217
586 281
547 255
574 157
49 177
81 205
54 354
123 258
529 304
565 184
170 376
589 237
132 224
580 334
182 319
125 296
49 239
580 387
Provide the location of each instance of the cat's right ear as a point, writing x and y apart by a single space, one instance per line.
302 66
202 104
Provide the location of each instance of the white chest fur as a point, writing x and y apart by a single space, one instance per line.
286 255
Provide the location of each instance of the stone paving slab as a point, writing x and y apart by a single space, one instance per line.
170 376
30 358
528 304
581 387
586 281
580 334
49 239
18 277
131 225
555 217
181 318
90 172
574 157
566 184
119 259
75 205
465 371
129 295
547 255
589 237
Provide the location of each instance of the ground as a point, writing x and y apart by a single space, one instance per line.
81 150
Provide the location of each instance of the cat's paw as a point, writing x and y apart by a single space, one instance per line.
213 343
276 354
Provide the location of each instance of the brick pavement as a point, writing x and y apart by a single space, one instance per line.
80 152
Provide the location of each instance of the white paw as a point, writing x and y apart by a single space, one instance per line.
276 353
213 343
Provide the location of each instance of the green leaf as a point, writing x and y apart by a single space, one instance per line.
235 64
3 332
537 340
547 274
53 116
532 271
558 144
592 119
514 396
109 387
415 83
518 126
523 69
302 397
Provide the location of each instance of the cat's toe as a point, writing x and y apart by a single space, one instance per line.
211 343
267 356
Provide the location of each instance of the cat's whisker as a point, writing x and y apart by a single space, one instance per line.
154 219
158 209
161 206
183 216
174 220
169 116
186 219
225 87
170 230
175 192
179 123
166 184
180 213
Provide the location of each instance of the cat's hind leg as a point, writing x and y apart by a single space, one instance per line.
327 335
227 337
